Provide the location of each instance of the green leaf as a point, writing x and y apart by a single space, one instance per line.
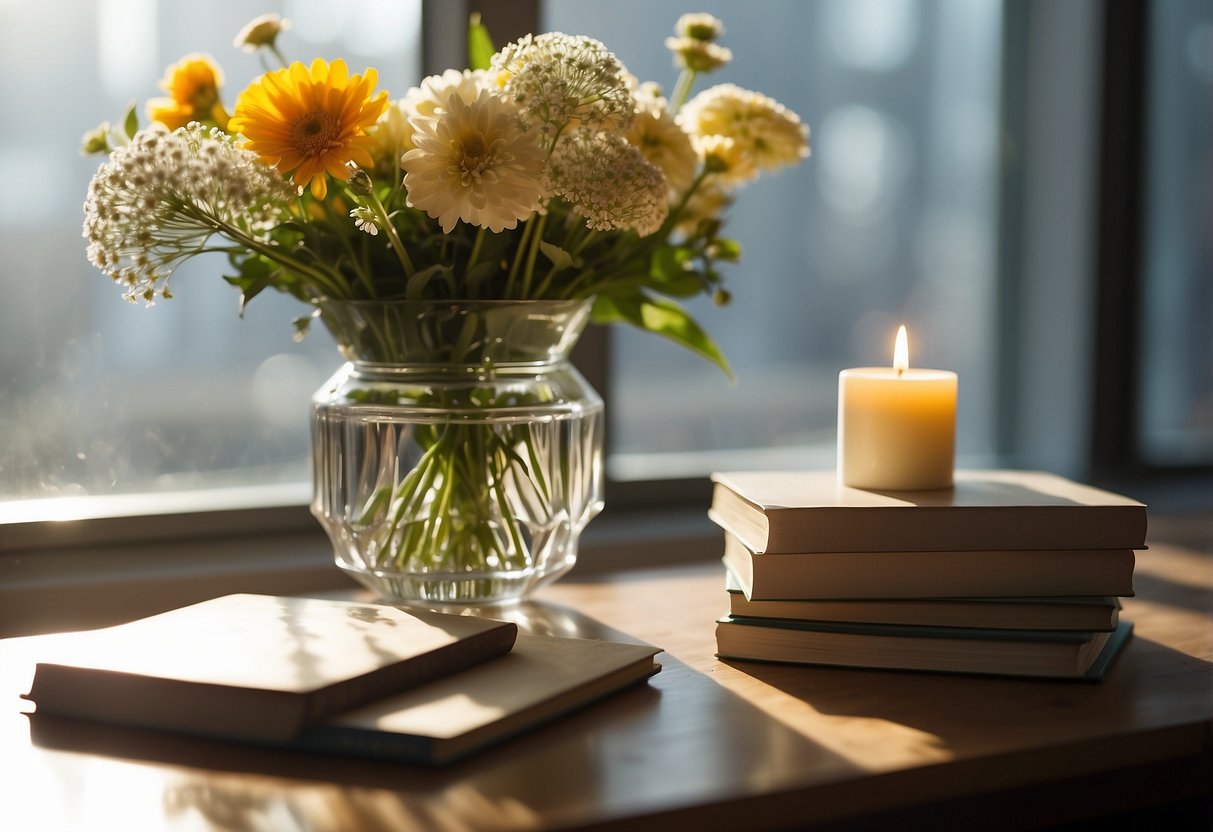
256 273
477 274
480 44
669 262
130 122
560 258
303 324
661 317
415 290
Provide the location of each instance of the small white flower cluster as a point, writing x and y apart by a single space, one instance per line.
365 220
561 81
157 201
610 183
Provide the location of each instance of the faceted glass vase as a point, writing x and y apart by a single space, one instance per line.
457 455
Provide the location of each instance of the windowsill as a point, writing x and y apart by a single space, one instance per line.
53 588
62 575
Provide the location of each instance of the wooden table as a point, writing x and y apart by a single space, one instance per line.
706 744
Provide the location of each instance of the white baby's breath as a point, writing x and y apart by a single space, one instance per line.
563 81
610 183
157 200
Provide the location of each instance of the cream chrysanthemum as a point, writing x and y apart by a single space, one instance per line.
609 183
473 162
726 159
563 81
655 133
770 134
393 134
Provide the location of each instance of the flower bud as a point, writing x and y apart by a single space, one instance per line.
360 181
699 26
261 31
96 140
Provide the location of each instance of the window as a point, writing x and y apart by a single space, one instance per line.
101 397
1175 401
893 219
936 164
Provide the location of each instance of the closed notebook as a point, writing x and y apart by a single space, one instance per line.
542 678
1037 653
258 666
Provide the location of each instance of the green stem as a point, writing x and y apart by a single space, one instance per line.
682 90
385 222
476 246
331 283
527 230
532 256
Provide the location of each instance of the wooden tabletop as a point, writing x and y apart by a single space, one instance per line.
705 742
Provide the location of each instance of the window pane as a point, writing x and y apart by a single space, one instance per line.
100 396
1176 404
891 220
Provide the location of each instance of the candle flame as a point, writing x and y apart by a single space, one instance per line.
901 351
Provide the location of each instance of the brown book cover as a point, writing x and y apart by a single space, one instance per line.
810 511
258 667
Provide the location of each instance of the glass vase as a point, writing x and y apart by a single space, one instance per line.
457 455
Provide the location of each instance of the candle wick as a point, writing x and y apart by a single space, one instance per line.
900 370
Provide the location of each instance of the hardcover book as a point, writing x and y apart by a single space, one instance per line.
542 678
258 666
1038 653
945 574
810 511
1090 613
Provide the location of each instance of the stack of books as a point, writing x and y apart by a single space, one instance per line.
1009 572
325 676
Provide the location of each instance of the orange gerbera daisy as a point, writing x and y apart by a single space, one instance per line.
310 122
193 86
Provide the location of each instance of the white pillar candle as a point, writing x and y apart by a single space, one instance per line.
896 425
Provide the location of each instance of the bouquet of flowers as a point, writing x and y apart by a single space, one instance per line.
544 171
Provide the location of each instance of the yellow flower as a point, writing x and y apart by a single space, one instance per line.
311 122
193 87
